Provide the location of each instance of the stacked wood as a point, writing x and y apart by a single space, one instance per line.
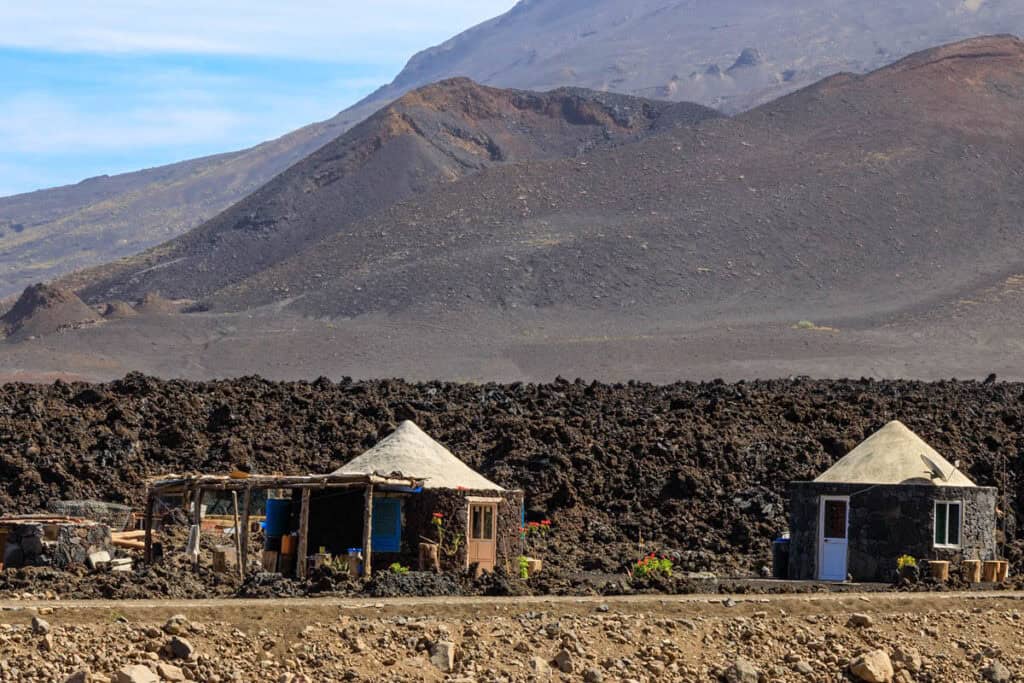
130 540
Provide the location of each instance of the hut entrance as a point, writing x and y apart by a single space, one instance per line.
336 521
481 548
832 546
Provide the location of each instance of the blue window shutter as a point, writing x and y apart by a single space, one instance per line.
387 525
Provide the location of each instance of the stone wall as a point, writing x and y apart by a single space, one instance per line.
887 521
55 545
453 504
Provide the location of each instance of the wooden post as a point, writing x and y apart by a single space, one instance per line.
238 538
147 524
243 555
197 521
302 552
368 532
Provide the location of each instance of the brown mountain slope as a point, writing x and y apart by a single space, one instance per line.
43 309
884 208
427 138
729 54
858 196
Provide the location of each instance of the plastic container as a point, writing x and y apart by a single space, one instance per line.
780 558
278 512
355 562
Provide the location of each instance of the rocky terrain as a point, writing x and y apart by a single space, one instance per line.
872 640
729 55
697 470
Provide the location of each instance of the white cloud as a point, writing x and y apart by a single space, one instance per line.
366 31
41 123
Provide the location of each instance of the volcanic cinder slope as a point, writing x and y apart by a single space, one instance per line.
884 205
425 140
729 54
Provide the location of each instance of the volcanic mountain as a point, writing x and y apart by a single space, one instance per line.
729 54
879 211
425 140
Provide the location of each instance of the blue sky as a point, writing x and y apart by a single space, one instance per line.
88 88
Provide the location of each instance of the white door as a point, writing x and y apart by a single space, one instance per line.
833 524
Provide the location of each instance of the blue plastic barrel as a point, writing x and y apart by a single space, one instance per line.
278 510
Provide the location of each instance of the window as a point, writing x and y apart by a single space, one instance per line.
947 524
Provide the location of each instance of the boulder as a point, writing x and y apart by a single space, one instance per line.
564 662
40 627
996 672
134 673
442 655
79 677
179 648
742 671
873 667
859 620
169 672
177 625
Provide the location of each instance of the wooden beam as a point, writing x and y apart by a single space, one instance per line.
303 551
147 524
238 537
243 556
368 532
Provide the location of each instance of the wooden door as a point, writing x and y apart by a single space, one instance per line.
481 548
833 527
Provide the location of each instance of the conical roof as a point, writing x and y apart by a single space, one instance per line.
412 452
894 455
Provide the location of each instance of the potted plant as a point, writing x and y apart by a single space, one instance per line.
906 565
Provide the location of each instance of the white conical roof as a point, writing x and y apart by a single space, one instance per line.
412 452
894 455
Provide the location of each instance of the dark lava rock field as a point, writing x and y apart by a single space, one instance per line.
696 470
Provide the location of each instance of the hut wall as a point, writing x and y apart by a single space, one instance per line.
454 505
887 521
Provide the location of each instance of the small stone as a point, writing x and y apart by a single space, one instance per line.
40 627
742 671
169 672
98 559
47 643
179 648
78 677
803 667
563 661
176 625
135 673
539 666
442 655
996 672
860 620
593 675
873 667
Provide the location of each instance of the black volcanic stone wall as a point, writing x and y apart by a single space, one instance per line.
453 504
887 521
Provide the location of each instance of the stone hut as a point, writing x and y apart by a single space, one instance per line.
892 495
481 520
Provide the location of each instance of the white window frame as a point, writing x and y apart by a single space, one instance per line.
935 521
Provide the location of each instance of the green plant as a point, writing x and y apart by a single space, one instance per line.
804 325
652 565
398 568
524 567
905 561
454 540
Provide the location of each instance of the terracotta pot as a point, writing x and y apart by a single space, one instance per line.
1002 571
938 570
989 571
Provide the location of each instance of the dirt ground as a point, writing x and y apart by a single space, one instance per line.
946 637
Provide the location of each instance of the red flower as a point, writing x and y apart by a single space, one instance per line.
438 515
545 522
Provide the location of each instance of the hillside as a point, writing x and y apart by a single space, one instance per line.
878 211
428 138
729 55
858 196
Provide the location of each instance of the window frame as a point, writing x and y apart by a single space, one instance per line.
960 524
